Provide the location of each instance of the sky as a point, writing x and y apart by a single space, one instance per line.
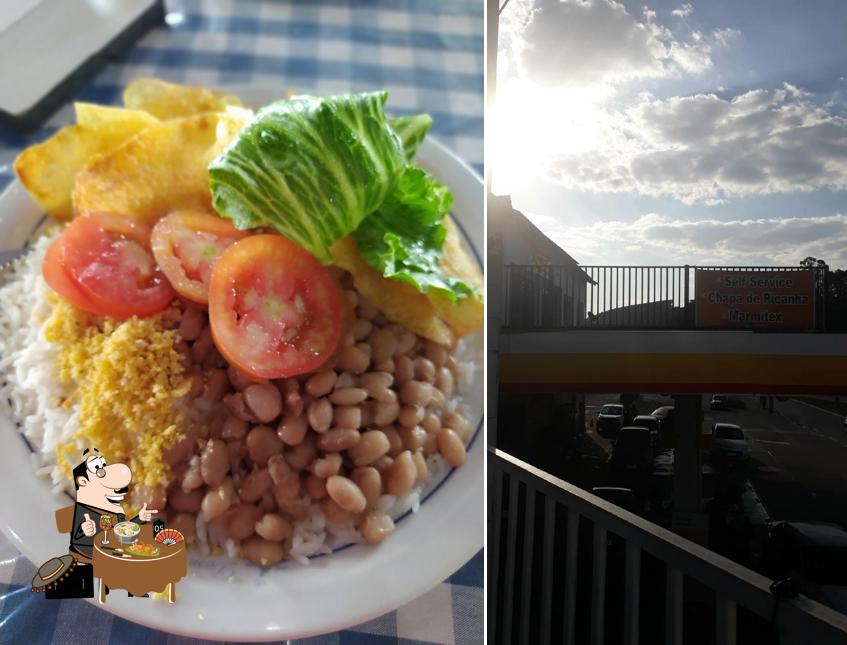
672 133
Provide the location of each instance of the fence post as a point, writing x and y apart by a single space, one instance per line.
689 313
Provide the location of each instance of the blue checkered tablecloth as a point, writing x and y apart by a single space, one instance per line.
428 54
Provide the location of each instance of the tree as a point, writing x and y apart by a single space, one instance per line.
835 293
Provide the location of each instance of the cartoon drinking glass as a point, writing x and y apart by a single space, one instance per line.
105 524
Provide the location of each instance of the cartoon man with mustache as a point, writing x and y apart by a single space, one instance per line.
100 489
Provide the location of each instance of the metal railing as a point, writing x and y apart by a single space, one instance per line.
568 567
537 297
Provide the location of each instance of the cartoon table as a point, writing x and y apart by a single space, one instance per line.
138 574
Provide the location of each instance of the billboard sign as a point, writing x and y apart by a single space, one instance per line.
755 299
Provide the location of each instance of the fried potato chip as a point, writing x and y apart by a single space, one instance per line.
398 301
48 169
468 314
94 114
169 101
162 169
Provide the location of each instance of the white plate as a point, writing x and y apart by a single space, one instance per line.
222 599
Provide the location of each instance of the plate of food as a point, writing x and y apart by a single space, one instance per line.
269 309
143 549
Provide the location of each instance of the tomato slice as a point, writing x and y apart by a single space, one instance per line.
108 257
186 244
55 275
274 310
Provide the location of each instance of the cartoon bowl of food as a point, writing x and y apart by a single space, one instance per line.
127 532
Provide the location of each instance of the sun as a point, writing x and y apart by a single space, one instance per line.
533 124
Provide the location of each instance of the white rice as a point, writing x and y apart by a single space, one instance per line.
30 393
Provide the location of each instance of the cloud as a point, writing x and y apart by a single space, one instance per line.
580 42
707 149
659 239
683 11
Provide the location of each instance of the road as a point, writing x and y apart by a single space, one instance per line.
798 458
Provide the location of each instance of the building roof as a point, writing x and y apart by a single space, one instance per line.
517 230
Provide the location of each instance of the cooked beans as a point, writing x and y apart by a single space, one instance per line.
369 482
458 423
292 429
411 415
217 500
235 403
395 441
214 462
191 323
347 416
404 369
274 527
264 401
179 452
437 399
413 438
262 552
435 352
334 513
431 423
319 414
385 412
353 359
401 474
451 447
185 524
278 468
300 456
362 328
420 467
193 478
321 383
287 489
444 382
383 464
315 486
338 439
416 393
203 346
217 384
376 527
342 437
262 444
327 466
377 384
371 446
185 502
348 396
383 345
424 369
346 494
238 378
255 485
233 428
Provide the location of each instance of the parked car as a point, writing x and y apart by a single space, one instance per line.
665 415
719 402
729 443
815 555
611 418
632 451
651 423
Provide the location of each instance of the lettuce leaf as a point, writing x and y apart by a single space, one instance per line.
312 168
412 130
404 238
